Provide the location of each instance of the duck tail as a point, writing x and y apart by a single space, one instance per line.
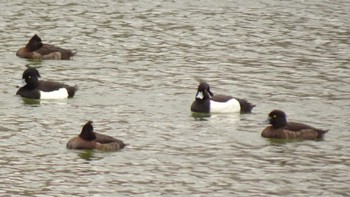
246 107
122 145
71 91
321 133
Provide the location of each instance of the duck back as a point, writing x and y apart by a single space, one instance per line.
49 51
284 133
105 139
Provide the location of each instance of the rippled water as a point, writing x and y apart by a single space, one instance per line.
138 67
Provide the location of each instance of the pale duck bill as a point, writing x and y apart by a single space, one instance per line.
22 83
199 95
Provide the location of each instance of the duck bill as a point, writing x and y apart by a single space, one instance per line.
199 95
22 83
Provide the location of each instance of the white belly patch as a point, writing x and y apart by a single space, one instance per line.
61 93
231 106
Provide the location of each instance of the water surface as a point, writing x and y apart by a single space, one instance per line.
138 67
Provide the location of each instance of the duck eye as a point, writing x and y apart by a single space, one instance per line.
274 116
29 77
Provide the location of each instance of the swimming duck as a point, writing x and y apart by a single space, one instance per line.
33 88
35 49
207 102
88 139
282 129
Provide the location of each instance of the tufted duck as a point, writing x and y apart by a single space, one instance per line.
33 88
35 49
282 129
88 139
207 102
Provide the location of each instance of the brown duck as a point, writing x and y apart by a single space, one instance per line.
282 129
88 139
35 49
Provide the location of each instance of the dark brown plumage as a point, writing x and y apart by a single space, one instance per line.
282 129
35 49
88 139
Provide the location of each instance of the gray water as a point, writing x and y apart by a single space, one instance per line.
137 68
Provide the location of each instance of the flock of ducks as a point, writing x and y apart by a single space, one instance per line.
205 102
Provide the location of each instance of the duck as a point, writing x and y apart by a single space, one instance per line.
35 49
88 139
33 88
207 102
281 129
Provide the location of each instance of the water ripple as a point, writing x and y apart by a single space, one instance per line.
137 69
